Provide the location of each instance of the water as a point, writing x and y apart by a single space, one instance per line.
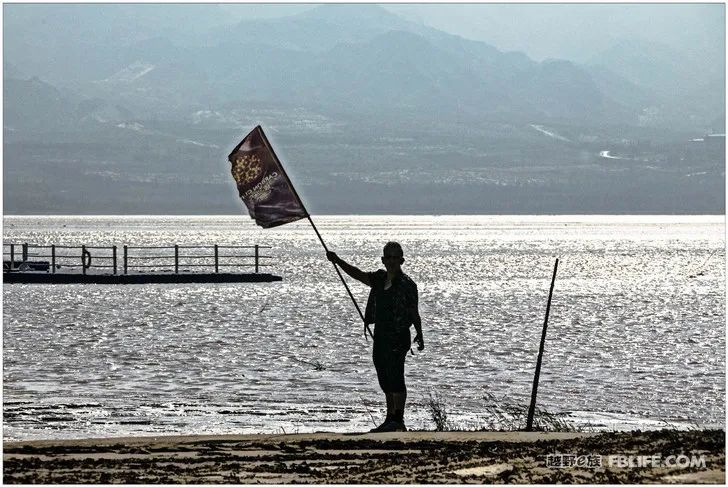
633 341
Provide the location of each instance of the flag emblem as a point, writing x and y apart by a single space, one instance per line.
246 169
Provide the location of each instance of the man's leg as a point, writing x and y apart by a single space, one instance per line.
399 396
390 412
399 399
396 422
380 364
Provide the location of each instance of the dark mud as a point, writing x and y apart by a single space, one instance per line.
420 457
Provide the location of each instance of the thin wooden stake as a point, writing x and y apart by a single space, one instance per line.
532 407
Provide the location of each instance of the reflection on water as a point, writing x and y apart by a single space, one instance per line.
633 339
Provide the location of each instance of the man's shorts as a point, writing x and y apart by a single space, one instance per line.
388 355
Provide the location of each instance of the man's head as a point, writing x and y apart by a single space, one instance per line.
392 256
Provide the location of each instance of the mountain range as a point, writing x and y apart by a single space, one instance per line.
82 73
355 58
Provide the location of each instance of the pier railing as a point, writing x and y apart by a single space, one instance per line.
123 259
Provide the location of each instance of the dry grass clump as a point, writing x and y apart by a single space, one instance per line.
502 415
438 412
499 415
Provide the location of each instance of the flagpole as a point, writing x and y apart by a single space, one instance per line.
361 315
295 193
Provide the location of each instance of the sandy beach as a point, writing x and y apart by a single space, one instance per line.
412 457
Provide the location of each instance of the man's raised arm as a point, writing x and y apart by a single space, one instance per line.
354 272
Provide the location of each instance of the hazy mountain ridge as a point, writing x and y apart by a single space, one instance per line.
655 65
352 58
363 101
317 30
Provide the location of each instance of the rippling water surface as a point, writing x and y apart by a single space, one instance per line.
633 340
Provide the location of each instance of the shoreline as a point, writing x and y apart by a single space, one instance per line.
157 440
333 458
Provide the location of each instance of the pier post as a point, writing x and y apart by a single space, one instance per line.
53 259
125 259
216 262
176 259
256 258
12 256
25 252
83 259
114 257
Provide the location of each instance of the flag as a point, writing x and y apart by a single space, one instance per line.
263 184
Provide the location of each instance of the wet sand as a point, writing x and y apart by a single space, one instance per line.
332 458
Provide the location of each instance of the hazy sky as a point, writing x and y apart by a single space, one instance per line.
554 30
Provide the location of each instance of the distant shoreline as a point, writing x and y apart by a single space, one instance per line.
324 215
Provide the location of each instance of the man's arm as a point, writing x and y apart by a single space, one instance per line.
354 272
417 321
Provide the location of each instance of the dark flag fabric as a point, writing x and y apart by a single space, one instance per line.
262 184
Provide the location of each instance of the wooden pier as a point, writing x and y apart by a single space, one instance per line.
67 264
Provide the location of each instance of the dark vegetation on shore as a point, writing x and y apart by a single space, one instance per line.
500 415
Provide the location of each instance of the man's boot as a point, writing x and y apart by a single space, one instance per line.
381 426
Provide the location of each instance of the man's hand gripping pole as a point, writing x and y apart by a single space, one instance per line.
361 315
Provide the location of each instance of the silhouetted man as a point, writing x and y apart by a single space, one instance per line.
392 306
